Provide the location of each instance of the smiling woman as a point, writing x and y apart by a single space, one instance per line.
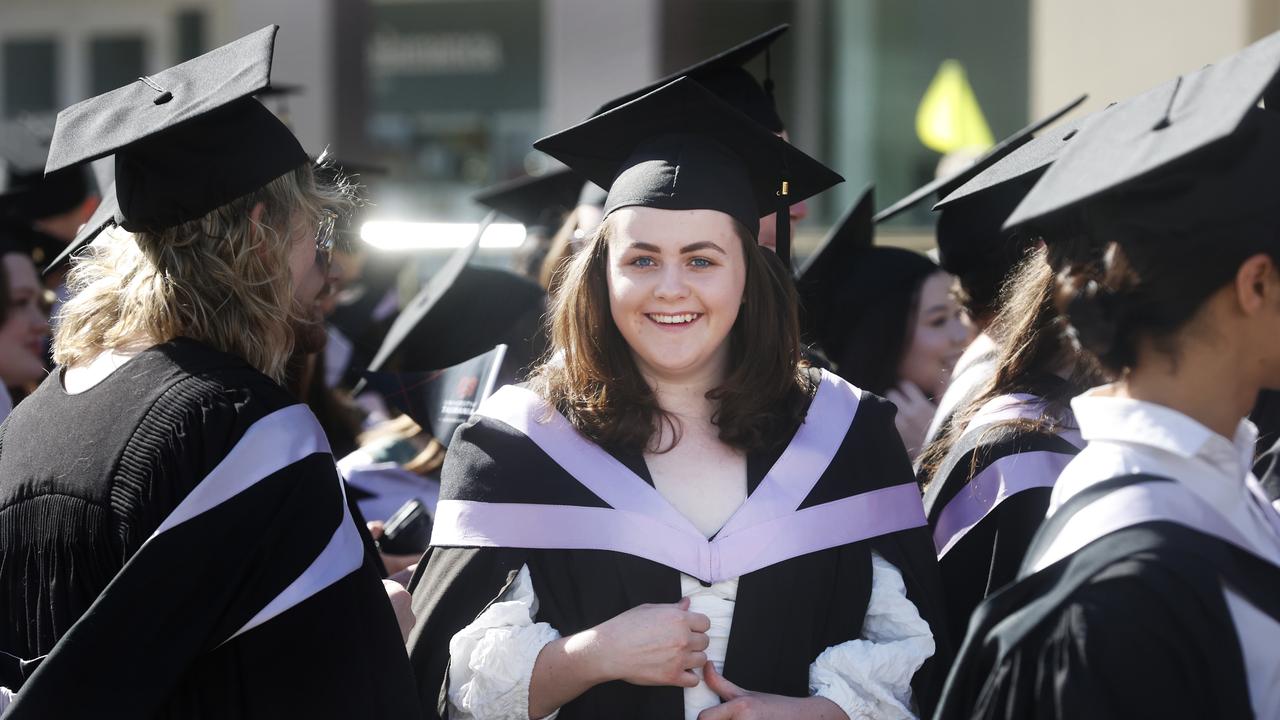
621 315
675 517
897 331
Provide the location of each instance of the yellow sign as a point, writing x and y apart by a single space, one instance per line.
949 118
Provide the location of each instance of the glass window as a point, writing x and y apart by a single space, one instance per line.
115 61
883 56
191 28
30 76
455 92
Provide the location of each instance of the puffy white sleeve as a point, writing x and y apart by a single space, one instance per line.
870 678
491 660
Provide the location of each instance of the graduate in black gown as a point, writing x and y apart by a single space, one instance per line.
988 480
674 512
974 247
1150 590
176 542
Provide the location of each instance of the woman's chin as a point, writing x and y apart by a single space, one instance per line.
666 365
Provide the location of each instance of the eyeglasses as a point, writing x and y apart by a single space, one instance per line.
325 234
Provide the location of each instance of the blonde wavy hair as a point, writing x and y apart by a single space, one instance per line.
221 279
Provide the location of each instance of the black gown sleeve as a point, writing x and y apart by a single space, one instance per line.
911 552
450 589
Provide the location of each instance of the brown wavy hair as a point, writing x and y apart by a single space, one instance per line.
589 375
551 273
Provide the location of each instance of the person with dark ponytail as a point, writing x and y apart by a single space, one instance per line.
1150 589
987 481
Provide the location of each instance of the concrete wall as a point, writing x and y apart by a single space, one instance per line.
1113 49
303 57
583 63
74 22
302 47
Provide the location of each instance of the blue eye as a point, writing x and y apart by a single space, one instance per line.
701 262
643 261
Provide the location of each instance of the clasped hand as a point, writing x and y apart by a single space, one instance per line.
663 644
650 645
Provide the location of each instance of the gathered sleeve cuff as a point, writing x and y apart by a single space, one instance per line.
491 660
870 677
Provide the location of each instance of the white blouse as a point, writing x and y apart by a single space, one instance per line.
1127 436
491 660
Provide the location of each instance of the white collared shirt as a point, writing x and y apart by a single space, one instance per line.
1127 436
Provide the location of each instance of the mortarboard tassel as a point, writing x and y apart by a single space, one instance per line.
163 95
783 218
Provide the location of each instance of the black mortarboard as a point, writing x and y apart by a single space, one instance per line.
972 242
829 266
422 303
1026 163
843 278
482 307
939 188
104 216
463 311
724 75
852 234
681 148
536 201
1200 136
186 140
25 192
108 211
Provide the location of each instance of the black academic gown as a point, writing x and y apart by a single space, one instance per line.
987 556
1132 625
785 614
109 611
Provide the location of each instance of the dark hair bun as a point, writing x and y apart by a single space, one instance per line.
1092 315
1095 316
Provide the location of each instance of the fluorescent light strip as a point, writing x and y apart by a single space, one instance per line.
392 235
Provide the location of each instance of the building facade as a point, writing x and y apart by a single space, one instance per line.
448 94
